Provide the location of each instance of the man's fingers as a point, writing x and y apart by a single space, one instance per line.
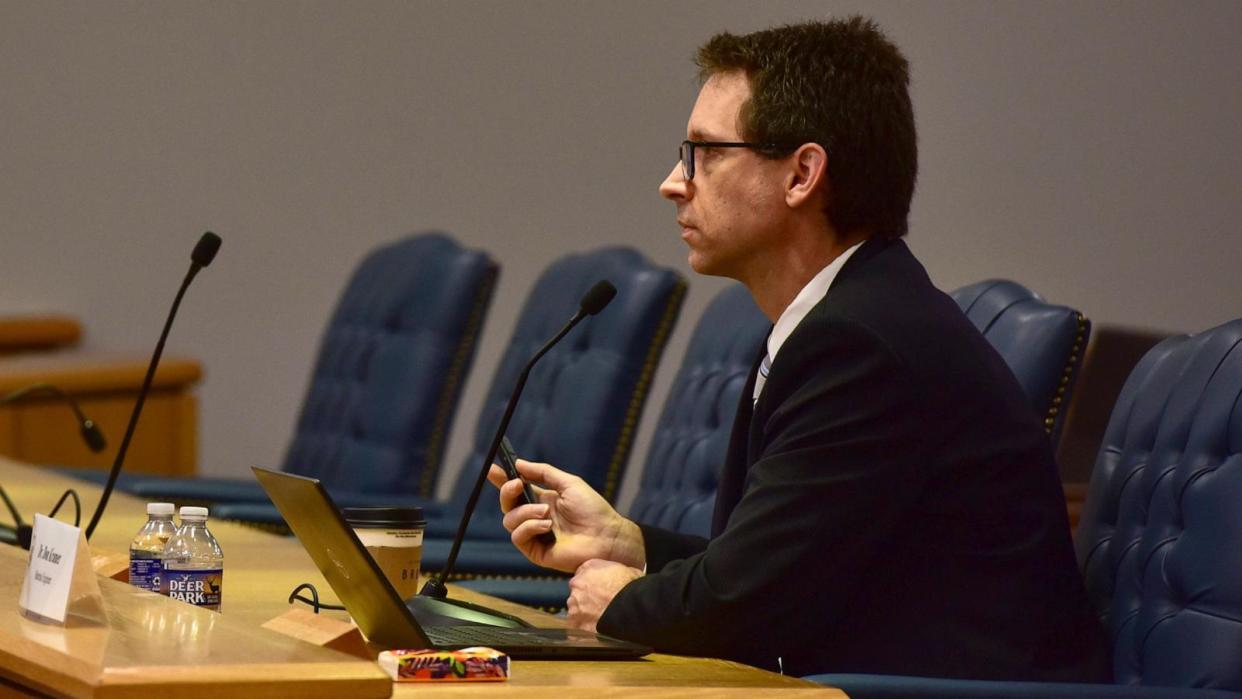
497 476
573 611
511 491
511 495
524 533
546 474
516 516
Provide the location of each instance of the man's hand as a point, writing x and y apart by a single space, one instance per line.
586 526
592 589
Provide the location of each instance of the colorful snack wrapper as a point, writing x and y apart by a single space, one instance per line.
476 664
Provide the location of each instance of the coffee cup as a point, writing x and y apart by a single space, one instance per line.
394 538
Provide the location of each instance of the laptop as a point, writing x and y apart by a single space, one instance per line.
374 605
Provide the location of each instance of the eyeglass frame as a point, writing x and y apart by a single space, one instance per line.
685 151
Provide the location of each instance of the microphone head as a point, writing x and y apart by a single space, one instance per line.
206 250
93 436
600 295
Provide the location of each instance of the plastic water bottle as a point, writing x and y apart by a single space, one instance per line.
193 562
147 548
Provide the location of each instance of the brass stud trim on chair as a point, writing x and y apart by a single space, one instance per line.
447 404
629 426
1067 374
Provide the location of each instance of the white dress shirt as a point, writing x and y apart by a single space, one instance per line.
811 294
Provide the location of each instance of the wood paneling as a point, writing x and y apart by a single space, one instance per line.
42 430
26 333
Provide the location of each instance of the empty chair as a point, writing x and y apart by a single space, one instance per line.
1042 343
583 400
678 486
386 380
584 397
1159 538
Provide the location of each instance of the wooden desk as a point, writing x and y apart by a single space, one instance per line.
260 571
42 430
37 332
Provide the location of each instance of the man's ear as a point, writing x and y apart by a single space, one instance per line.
808 179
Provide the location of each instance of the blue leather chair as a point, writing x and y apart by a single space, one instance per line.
582 400
387 379
678 486
1042 343
1160 537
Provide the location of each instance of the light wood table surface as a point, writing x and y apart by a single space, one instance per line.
261 569
42 430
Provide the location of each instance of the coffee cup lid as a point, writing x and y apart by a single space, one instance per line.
384 517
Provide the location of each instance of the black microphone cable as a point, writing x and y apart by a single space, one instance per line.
21 531
77 506
313 601
91 434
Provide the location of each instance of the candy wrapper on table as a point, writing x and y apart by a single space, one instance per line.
466 665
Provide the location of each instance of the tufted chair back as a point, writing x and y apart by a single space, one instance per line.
390 367
583 399
1161 536
679 480
1042 343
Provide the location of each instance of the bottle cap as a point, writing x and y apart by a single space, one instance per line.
189 511
165 509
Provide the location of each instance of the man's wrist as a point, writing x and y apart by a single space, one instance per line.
627 545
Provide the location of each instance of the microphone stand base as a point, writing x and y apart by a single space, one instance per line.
441 611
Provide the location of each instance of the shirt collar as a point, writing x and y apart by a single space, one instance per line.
805 301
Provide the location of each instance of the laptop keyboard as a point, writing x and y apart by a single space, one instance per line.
487 635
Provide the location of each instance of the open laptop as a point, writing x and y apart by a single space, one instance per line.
373 603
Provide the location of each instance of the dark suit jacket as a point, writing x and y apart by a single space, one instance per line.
890 505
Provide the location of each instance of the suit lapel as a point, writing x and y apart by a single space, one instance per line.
737 459
746 439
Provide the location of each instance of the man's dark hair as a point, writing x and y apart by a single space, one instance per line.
841 84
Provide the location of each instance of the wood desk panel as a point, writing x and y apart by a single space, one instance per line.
42 430
37 332
140 644
261 569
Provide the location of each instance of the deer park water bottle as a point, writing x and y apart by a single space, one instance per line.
193 562
147 548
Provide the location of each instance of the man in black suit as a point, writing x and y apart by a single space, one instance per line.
889 503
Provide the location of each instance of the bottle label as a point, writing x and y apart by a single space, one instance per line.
144 573
198 587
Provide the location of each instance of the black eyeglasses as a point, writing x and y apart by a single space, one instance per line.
686 151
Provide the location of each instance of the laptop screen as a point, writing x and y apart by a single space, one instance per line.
343 560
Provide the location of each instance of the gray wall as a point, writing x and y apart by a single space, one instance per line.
1090 150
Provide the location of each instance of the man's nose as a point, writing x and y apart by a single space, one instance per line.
674 186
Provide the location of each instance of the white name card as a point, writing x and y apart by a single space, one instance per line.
59 571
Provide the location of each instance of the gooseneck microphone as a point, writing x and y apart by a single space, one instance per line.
91 434
204 252
431 606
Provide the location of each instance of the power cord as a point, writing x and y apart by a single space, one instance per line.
77 506
23 532
314 601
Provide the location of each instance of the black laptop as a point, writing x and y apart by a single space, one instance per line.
374 605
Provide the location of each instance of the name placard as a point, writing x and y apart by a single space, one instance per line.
59 571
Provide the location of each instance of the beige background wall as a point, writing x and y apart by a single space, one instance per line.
1089 150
